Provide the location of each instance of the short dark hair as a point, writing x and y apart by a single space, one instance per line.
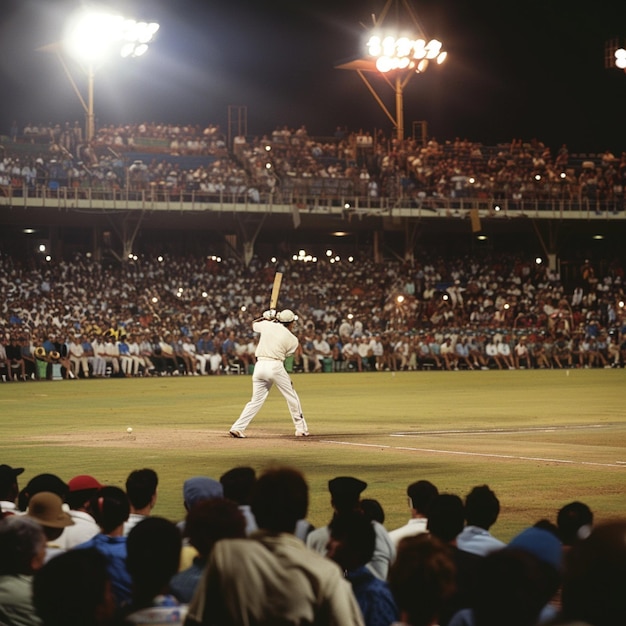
211 520
70 589
153 546
571 519
373 510
446 517
482 507
141 485
279 499
238 483
422 578
422 493
356 531
110 508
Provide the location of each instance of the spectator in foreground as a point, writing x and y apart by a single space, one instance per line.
110 509
238 483
445 522
420 495
206 523
22 553
574 521
351 545
515 587
422 580
272 578
595 578
46 509
73 589
345 492
9 488
141 489
153 547
482 508
82 489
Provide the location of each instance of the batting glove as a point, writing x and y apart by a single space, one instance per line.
270 314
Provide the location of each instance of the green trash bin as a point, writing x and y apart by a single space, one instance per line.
289 363
42 368
250 368
327 364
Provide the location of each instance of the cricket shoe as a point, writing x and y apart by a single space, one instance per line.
300 433
237 434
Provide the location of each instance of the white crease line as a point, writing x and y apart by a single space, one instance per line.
495 431
482 454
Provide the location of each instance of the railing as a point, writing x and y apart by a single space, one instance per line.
317 199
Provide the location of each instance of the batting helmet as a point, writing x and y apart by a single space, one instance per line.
286 316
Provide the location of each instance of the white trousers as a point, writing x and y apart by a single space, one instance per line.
266 374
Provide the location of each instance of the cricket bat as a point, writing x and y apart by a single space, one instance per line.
275 289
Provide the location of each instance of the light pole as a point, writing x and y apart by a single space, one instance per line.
90 38
396 56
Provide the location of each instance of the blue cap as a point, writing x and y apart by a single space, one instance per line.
540 543
201 488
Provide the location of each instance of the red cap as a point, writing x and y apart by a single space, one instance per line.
83 482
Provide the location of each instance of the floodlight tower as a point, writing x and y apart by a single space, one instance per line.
396 51
90 38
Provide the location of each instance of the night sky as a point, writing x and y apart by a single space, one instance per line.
515 69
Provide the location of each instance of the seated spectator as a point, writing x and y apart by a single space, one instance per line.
574 522
153 546
9 488
46 509
373 510
197 489
73 589
207 522
420 495
482 508
110 508
595 578
272 578
345 497
141 489
238 483
351 546
445 521
422 580
22 553
81 490
515 587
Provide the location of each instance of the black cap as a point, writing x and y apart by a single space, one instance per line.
8 475
346 486
47 482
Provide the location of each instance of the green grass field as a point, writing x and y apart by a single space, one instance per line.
539 438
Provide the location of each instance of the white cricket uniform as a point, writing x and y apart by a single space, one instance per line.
276 342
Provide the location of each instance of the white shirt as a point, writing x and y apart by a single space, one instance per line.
276 340
84 529
478 541
415 526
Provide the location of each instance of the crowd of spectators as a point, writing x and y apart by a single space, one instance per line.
288 165
81 553
172 315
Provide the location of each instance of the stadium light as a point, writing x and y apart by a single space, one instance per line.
91 37
396 51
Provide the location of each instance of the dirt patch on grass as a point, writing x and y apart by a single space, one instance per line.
168 439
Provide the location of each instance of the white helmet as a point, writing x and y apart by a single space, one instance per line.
286 316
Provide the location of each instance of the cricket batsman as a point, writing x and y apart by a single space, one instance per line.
276 342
